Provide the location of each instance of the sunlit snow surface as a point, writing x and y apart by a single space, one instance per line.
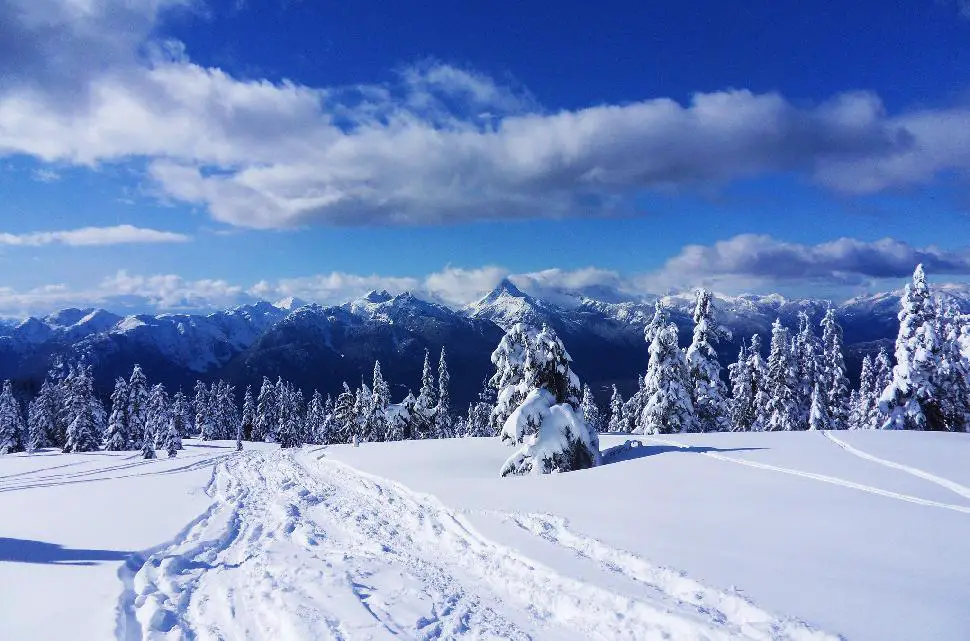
762 536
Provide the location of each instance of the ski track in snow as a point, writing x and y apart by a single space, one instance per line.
817 477
962 490
297 546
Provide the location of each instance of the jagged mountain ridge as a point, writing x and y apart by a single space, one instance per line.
319 347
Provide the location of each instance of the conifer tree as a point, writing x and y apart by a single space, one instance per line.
158 413
380 399
201 406
742 392
807 360
12 428
591 411
780 411
148 445
669 408
548 423
289 428
118 436
759 385
708 392
833 377
315 422
910 401
867 399
82 434
659 322
509 378
952 376
617 424
442 413
173 431
267 413
248 414
343 416
137 406
818 418
41 417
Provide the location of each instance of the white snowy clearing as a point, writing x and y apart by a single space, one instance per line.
860 535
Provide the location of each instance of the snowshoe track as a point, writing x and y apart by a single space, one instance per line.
296 546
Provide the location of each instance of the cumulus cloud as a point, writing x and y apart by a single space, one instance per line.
93 236
758 261
437 144
739 265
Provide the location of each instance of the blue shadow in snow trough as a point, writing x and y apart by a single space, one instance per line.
634 449
27 551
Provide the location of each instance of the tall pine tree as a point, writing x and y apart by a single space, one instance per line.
708 392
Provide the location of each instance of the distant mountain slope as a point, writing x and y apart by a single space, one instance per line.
320 347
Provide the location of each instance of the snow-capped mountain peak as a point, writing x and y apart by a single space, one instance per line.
290 303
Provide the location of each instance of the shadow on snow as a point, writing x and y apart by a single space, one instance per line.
27 551
635 448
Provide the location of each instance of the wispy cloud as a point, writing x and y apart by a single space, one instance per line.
46 175
439 144
93 236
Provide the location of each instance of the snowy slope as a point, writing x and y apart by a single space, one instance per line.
758 536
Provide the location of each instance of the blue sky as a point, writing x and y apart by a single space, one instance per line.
192 154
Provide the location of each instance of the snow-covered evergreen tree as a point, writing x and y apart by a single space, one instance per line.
158 413
187 422
509 378
442 413
742 392
380 399
172 442
591 411
910 401
759 383
807 360
248 419
118 435
316 420
288 434
427 399
818 417
548 423
399 419
41 418
833 376
12 428
669 408
952 376
201 406
634 406
867 398
267 413
708 392
781 410
659 322
344 421
617 424
137 406
82 433
478 422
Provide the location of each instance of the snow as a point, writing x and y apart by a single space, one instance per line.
704 536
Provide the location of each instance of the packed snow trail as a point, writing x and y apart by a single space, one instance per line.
962 490
296 546
728 609
816 477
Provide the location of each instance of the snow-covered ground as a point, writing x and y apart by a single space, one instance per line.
762 536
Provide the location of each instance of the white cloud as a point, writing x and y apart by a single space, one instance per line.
439 144
46 175
93 236
743 264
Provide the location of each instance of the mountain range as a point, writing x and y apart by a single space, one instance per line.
316 346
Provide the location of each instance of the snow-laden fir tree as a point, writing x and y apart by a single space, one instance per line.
509 378
759 384
634 406
659 322
781 410
549 422
172 442
41 418
343 416
442 413
617 423
708 392
200 408
807 360
118 435
910 400
148 445
380 399
82 432
288 434
591 411
188 418
399 419
833 376
248 419
363 404
818 417
316 420
952 377
866 400
137 406
742 392
669 408
12 428
267 413
427 400
158 413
